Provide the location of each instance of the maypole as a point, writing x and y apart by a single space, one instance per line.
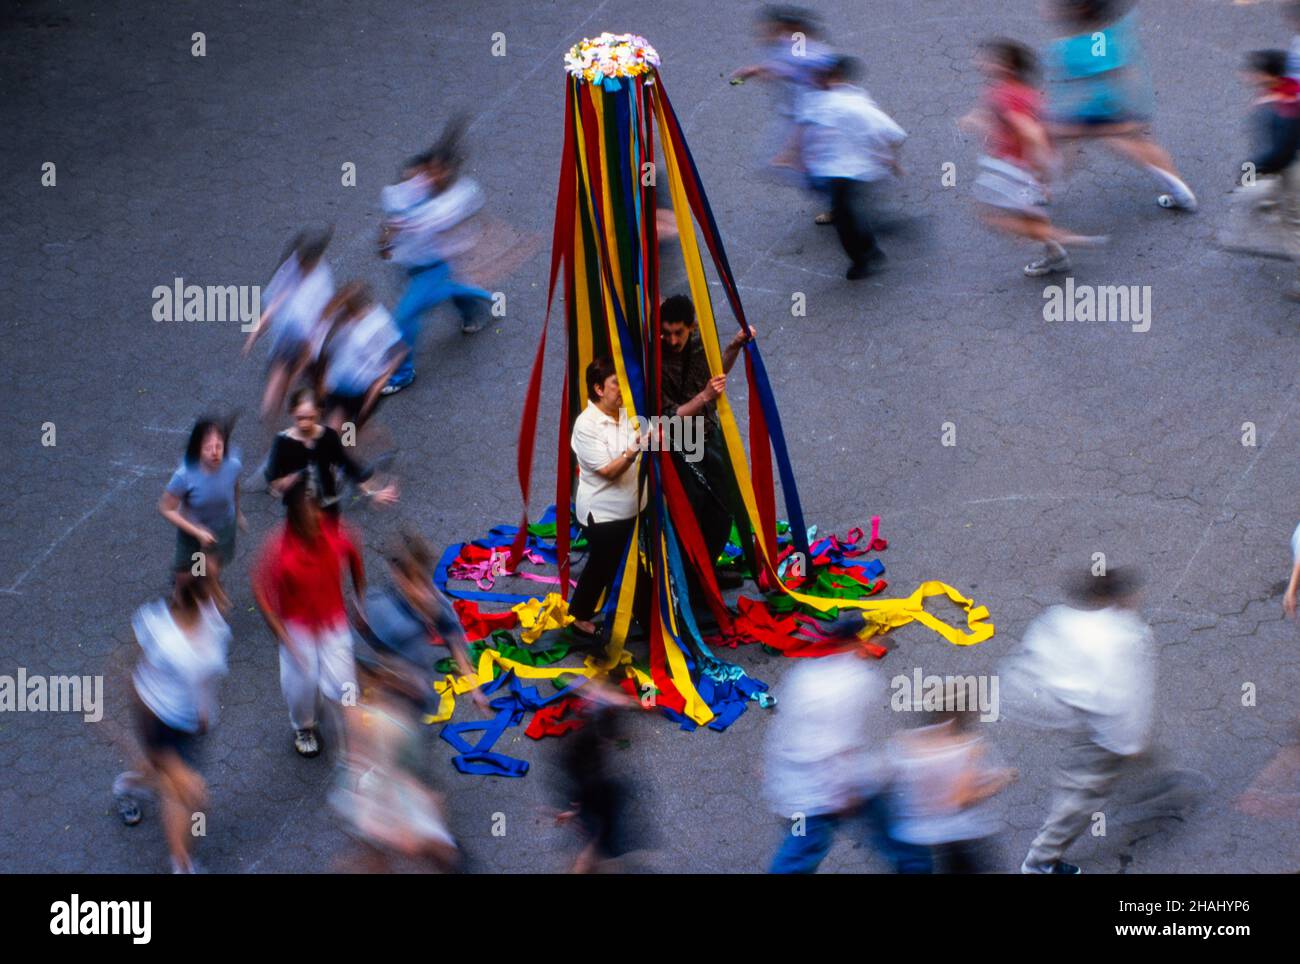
605 253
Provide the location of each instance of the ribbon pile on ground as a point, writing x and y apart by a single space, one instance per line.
619 124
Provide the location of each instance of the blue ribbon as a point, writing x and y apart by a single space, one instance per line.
479 758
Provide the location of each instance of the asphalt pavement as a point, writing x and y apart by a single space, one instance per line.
1071 438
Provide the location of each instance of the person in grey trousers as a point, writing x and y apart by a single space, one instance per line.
1088 669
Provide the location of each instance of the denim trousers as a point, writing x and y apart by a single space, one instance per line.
429 286
803 853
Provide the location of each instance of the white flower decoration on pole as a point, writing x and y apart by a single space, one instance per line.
610 56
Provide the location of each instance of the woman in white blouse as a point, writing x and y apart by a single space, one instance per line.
608 451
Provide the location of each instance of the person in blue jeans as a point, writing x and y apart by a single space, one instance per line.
821 768
429 221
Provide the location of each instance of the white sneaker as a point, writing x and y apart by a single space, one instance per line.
1047 264
1186 203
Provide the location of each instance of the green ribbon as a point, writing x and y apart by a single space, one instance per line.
504 643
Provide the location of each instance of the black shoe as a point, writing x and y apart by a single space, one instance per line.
858 271
1060 867
128 810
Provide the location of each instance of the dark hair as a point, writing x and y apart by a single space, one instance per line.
843 67
410 553
352 299
308 246
190 592
416 162
205 425
1093 11
1115 585
677 310
300 395
300 503
791 18
449 150
1271 62
597 372
1014 56
313 245
293 247
959 706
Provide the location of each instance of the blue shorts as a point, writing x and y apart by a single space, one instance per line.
157 737
286 352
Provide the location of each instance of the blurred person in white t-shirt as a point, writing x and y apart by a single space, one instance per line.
1088 669
296 298
847 145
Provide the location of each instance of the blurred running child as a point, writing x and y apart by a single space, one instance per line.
825 756
298 586
409 616
1265 207
941 785
183 643
359 354
1018 160
429 221
793 59
596 795
382 793
847 145
1089 669
295 301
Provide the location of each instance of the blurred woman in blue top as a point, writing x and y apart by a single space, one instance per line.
202 501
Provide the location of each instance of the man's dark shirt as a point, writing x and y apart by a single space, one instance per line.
684 374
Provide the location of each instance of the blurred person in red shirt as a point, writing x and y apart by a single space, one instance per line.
298 585
1019 159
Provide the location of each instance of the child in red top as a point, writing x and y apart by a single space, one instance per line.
1020 158
298 586
1264 217
1011 103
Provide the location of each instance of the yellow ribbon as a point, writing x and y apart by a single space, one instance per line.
538 615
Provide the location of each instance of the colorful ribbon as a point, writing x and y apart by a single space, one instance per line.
605 251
